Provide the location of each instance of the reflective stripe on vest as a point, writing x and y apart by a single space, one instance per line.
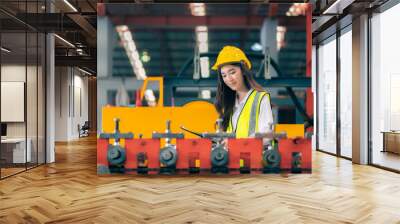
247 123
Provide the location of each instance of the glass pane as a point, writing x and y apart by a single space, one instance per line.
32 84
346 94
22 79
386 89
41 99
31 97
327 96
13 86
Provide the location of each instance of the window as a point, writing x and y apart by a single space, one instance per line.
346 93
327 95
22 76
385 87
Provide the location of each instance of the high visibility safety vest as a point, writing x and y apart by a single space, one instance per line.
247 123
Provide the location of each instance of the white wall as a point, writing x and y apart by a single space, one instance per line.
79 115
33 126
12 73
71 94
61 103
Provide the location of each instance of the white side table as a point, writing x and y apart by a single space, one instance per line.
19 155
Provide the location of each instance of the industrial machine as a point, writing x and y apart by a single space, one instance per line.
211 152
207 150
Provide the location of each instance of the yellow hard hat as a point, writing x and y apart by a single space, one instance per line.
231 54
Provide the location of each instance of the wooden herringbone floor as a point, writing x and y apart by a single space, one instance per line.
69 191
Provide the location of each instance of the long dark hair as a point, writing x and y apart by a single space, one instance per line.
225 99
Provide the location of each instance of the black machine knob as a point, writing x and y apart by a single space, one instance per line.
219 156
271 158
168 155
116 155
296 160
141 158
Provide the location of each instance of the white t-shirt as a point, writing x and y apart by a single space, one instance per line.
265 118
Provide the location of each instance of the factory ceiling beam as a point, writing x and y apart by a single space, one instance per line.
300 82
273 9
238 22
191 21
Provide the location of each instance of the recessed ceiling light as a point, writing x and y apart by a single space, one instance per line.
65 41
70 5
5 50
84 71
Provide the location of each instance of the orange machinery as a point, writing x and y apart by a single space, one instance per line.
194 154
201 155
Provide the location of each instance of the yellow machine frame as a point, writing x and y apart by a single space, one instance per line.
197 115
